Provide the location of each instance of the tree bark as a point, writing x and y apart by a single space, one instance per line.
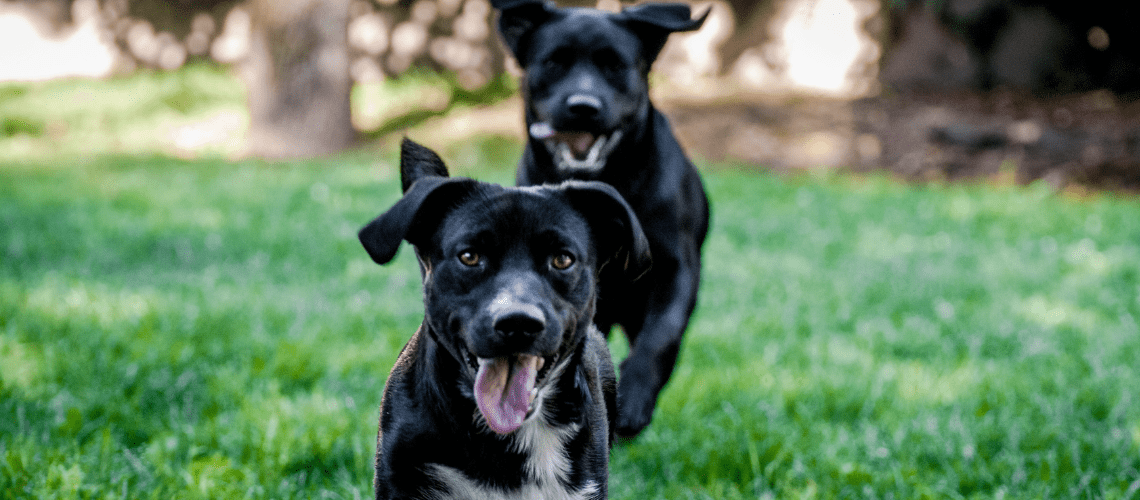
752 19
297 78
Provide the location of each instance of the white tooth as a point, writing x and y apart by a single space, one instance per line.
595 158
568 157
596 150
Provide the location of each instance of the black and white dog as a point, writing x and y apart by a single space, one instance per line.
506 391
589 117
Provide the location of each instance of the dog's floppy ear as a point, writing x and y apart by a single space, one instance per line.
518 19
654 22
414 217
617 230
417 162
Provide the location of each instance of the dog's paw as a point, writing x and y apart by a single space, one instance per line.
631 424
634 413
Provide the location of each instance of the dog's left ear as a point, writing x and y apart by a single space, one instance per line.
518 19
617 231
654 22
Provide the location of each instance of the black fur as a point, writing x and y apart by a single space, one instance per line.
586 83
512 301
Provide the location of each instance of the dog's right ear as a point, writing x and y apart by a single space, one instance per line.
415 217
617 231
518 19
654 22
417 162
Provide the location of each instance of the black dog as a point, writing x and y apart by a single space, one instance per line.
589 117
507 389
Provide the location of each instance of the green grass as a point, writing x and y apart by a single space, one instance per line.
861 339
175 328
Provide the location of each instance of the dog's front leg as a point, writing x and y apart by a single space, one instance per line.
653 353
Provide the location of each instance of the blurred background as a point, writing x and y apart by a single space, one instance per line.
1018 89
186 311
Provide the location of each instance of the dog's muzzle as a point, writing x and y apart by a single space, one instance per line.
576 151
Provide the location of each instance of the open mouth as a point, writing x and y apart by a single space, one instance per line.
576 151
506 387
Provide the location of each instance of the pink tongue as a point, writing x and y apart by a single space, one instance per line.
503 391
579 142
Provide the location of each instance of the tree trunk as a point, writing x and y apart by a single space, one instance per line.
752 20
297 78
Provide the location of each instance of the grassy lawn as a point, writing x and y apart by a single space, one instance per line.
207 328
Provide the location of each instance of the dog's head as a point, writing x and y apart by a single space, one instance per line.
586 72
510 274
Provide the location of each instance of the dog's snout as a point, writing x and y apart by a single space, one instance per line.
584 105
521 322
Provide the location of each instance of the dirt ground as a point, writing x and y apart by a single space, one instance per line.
1086 141
1090 140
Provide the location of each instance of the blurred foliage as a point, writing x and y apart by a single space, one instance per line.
198 110
500 87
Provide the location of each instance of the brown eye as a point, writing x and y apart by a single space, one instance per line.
562 261
469 258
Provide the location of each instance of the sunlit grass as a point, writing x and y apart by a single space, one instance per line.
198 110
174 328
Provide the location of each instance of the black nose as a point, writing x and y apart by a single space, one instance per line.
516 324
584 105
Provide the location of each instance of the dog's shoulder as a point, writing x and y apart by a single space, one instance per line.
410 408
597 364
668 151
675 188
596 360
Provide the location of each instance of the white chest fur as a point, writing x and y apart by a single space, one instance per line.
547 467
